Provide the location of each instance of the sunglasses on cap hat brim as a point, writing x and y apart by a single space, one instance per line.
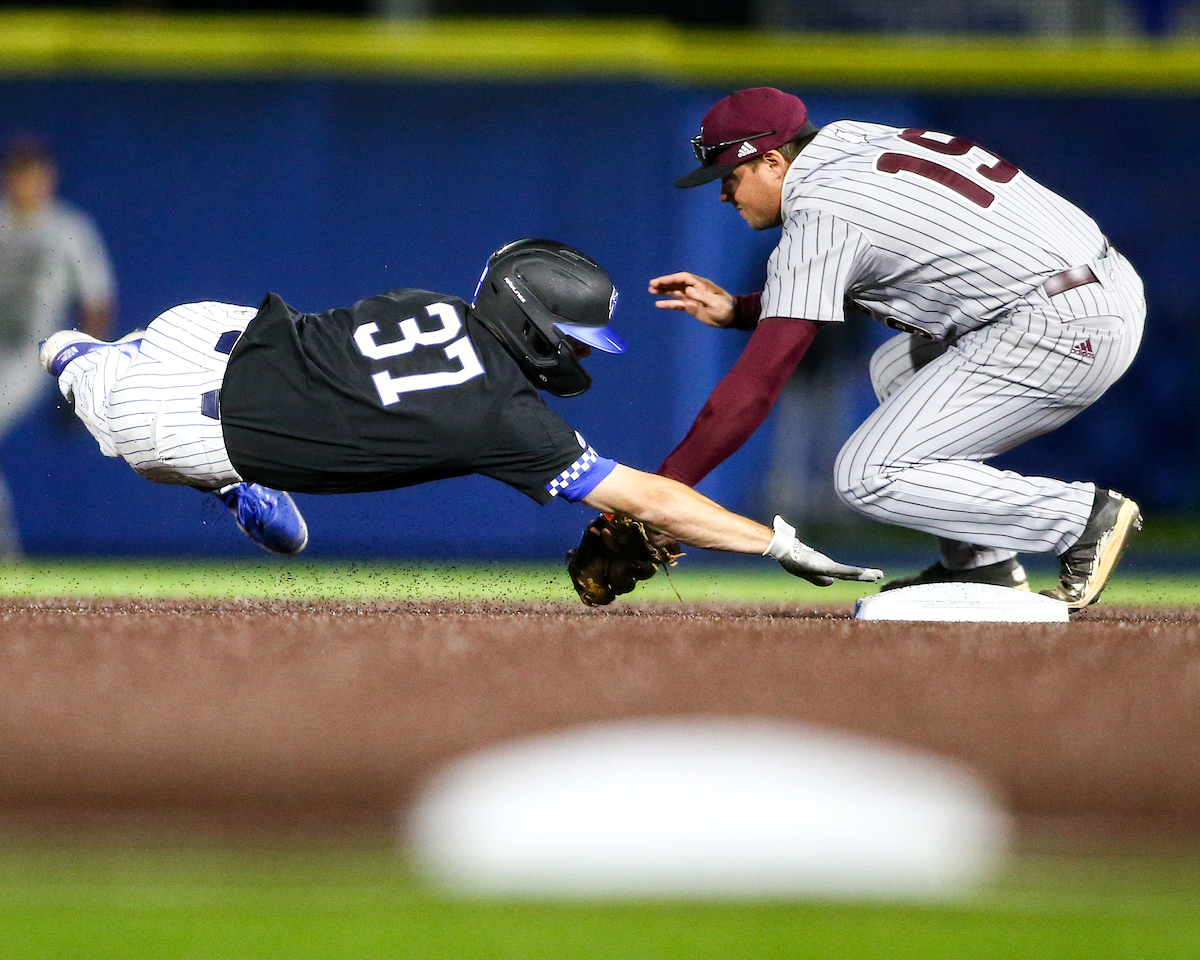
706 153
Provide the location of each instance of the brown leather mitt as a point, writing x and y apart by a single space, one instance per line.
613 554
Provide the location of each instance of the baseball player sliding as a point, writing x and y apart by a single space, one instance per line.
399 389
1014 310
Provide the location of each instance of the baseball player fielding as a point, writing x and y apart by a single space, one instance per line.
1014 313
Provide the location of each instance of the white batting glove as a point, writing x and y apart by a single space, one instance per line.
801 560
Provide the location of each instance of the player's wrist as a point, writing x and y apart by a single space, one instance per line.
782 540
744 311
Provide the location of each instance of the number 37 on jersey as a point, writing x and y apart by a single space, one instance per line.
960 165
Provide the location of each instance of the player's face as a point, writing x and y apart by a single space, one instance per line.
30 186
756 191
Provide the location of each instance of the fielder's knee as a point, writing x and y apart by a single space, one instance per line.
858 497
860 488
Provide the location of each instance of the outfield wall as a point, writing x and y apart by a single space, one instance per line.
225 158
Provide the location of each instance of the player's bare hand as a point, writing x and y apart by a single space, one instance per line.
695 295
801 560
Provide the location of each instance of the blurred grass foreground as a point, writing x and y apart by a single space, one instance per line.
207 903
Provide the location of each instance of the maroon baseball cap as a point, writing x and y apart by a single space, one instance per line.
741 127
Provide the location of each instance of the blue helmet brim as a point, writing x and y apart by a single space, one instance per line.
605 339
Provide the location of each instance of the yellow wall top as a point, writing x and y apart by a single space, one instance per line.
83 43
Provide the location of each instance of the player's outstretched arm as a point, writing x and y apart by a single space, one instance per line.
690 517
700 297
678 511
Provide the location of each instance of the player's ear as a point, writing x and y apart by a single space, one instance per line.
776 162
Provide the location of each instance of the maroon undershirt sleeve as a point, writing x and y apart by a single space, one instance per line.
742 400
746 308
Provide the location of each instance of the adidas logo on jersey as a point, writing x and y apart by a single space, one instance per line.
745 149
1084 350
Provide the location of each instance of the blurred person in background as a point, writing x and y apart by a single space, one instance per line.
53 269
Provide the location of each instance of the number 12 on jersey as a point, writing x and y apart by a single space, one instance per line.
391 388
999 171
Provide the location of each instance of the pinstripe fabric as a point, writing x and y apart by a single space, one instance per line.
938 237
905 246
147 410
947 406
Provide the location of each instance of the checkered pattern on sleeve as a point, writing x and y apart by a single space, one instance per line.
586 461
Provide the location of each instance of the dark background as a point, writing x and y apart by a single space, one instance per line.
708 12
1153 17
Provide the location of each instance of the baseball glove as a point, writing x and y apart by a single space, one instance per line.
613 554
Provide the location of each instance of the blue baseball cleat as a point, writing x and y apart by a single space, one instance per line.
268 517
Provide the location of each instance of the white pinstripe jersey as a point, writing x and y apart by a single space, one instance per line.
921 229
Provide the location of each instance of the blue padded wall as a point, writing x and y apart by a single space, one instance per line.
327 190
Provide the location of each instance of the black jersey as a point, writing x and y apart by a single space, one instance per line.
399 389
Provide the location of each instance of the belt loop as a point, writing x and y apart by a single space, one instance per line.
226 341
210 404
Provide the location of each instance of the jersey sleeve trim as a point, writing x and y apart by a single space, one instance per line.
581 477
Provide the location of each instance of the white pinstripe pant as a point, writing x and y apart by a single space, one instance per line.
147 410
946 407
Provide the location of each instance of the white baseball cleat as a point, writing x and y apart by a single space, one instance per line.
59 349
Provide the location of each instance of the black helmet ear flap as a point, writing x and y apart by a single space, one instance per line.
532 287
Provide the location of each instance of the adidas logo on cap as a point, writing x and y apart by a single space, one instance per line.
745 149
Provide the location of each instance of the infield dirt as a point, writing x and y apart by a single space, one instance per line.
323 717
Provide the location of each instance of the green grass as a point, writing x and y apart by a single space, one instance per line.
298 580
148 901
282 580
365 581
89 903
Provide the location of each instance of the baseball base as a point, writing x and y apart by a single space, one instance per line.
961 602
